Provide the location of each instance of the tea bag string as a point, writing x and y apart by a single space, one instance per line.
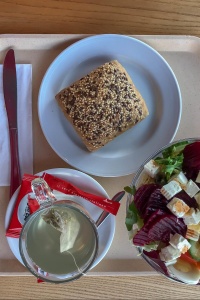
82 273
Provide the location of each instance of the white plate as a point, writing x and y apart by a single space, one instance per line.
106 230
152 76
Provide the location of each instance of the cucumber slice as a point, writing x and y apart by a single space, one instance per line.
195 250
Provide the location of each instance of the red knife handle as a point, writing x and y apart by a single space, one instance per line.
15 179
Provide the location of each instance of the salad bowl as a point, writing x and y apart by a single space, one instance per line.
163 211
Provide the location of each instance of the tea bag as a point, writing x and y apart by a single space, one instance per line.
54 218
66 223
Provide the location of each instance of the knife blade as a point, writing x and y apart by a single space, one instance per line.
10 98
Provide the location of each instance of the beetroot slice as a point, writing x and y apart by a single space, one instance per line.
141 238
164 226
158 228
156 201
142 195
191 161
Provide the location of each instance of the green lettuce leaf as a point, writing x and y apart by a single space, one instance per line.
131 216
151 246
130 190
171 161
175 149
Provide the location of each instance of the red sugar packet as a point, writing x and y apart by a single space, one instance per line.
60 185
32 204
67 188
15 226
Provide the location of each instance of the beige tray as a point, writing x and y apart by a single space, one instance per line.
182 53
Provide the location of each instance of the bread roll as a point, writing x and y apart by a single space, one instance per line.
102 105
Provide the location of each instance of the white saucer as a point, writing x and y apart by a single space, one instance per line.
88 184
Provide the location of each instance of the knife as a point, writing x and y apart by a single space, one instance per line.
10 97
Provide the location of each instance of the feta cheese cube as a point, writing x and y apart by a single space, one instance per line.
152 168
169 253
191 188
179 242
198 178
192 235
195 227
192 217
197 198
170 189
178 207
181 179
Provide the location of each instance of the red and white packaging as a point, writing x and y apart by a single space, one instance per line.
65 187
15 226
57 184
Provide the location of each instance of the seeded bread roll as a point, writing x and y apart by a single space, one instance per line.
102 105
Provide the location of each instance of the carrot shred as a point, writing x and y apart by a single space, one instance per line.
187 257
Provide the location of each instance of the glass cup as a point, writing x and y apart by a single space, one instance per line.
59 242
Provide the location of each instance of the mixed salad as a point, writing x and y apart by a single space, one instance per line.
163 216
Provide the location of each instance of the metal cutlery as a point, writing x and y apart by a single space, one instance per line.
105 214
10 97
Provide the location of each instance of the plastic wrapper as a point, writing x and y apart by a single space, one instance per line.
57 184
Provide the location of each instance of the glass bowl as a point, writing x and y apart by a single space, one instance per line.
140 177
